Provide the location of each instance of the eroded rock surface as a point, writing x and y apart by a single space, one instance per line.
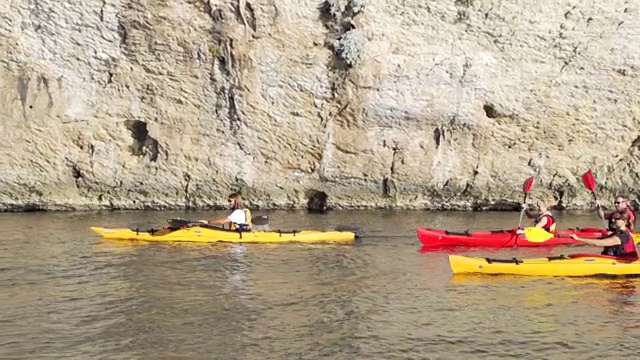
409 104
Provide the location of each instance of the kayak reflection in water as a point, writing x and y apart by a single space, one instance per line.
240 217
543 218
621 243
621 203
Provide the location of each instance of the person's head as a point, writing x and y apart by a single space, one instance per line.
235 201
620 218
621 202
545 204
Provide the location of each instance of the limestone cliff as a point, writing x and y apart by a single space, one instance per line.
411 104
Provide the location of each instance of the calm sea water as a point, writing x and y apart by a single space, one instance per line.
66 294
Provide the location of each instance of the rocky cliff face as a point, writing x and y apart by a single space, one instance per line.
411 104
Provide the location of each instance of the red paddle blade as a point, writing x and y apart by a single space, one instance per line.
589 181
528 184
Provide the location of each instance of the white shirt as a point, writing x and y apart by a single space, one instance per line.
238 217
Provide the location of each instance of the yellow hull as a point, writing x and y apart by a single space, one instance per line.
206 235
580 266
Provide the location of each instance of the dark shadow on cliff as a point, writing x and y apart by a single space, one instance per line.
316 201
143 143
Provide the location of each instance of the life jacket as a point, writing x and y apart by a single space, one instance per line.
247 226
551 221
626 248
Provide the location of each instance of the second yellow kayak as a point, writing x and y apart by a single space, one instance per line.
207 235
571 265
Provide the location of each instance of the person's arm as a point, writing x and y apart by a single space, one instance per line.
601 213
237 216
220 221
608 241
543 222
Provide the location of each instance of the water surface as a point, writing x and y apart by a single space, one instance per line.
67 294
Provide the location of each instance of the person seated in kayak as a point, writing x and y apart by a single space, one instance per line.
620 203
240 217
543 218
620 243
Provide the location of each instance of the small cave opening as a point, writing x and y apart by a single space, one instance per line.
317 201
142 140
490 111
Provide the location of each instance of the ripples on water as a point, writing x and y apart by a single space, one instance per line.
67 294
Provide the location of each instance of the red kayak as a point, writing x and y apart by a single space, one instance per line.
500 238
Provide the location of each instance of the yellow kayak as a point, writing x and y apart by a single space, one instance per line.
204 234
571 265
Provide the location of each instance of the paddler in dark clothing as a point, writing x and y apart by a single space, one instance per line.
543 218
620 243
620 203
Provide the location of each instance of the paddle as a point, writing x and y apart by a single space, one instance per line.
354 229
526 187
178 223
589 182
539 235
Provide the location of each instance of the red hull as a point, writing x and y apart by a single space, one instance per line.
499 238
